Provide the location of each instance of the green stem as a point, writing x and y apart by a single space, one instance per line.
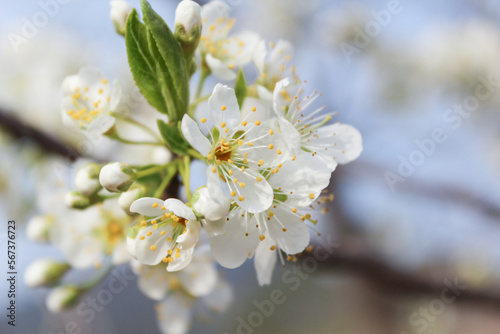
185 171
195 154
97 278
171 172
137 124
152 170
132 142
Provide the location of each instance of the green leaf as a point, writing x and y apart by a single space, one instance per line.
240 88
174 71
173 137
142 63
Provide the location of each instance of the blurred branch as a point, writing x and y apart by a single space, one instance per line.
17 129
394 282
441 192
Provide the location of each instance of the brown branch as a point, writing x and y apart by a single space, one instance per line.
399 283
442 192
18 130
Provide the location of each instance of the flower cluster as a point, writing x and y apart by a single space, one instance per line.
269 151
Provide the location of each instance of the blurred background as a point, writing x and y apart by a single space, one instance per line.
415 225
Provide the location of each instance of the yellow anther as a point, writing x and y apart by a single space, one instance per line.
230 161
262 237
242 185
142 237
311 196
231 172
284 229
153 247
214 170
271 146
241 198
278 151
222 108
143 223
203 120
154 221
272 247
235 181
259 179
233 193
149 233
271 132
104 81
169 239
162 232
163 207
169 252
244 123
294 210
250 144
101 91
257 123
177 255
293 158
223 124
271 214
155 205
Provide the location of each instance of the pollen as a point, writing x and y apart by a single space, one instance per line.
272 247
169 239
223 124
311 196
155 205
214 170
271 132
278 151
257 123
242 185
262 237
154 221
203 120
142 237
244 123
271 146
162 232
294 210
261 162
223 108
149 233
143 223
101 91
254 109
241 198
284 229
153 248
259 179
163 207
233 193
104 81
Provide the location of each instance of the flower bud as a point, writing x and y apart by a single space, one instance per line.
210 208
75 200
119 14
116 177
87 179
43 272
127 198
188 26
62 297
38 228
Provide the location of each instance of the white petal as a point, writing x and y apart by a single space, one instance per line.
185 257
305 176
219 69
116 94
212 12
153 281
144 206
258 195
190 238
131 246
265 261
194 136
241 47
179 209
262 111
212 206
264 94
143 250
174 314
120 254
259 56
221 297
200 277
223 107
101 125
346 143
296 238
234 247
